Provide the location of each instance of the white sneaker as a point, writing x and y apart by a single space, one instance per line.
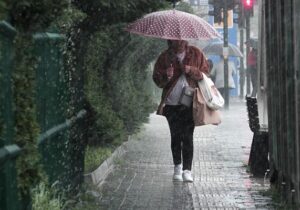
177 176
187 176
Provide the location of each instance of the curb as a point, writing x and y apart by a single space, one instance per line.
97 176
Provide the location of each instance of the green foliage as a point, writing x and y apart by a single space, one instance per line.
3 9
68 18
109 128
46 198
118 91
185 7
32 15
26 127
94 156
113 90
107 12
128 75
115 63
87 198
116 71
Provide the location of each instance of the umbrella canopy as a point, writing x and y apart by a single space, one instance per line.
216 48
252 42
173 24
203 43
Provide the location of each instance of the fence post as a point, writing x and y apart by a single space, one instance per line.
9 199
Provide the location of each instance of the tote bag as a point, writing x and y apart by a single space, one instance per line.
211 95
202 114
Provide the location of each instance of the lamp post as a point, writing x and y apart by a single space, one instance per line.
225 54
248 49
248 8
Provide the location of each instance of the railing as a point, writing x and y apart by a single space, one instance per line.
56 151
9 152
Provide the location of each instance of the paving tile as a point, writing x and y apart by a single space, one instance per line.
144 179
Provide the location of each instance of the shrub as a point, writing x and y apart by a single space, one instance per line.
94 157
45 198
32 15
116 75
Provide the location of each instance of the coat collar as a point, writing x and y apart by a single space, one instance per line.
172 55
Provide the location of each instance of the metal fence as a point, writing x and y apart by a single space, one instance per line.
8 150
52 104
52 100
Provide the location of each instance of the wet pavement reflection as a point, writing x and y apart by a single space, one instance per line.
142 178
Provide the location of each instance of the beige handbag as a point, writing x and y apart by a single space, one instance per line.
202 114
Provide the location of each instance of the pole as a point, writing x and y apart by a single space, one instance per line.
247 14
225 54
242 70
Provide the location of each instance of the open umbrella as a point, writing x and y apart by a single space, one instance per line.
216 48
252 42
173 24
202 43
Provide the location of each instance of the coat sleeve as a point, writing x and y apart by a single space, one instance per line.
200 67
159 73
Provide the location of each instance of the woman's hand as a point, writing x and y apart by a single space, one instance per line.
170 72
187 69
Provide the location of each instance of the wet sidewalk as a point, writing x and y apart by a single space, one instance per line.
142 179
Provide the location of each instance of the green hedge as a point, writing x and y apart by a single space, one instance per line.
32 15
28 17
116 71
115 65
26 127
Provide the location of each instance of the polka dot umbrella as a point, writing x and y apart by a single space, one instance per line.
173 24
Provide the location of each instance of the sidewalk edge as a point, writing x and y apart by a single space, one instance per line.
98 176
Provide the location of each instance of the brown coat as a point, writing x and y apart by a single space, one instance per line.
193 58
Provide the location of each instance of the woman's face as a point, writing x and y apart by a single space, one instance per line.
178 45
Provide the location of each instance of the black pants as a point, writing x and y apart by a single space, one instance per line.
253 77
180 119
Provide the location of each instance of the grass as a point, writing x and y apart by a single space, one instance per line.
85 199
46 198
94 157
